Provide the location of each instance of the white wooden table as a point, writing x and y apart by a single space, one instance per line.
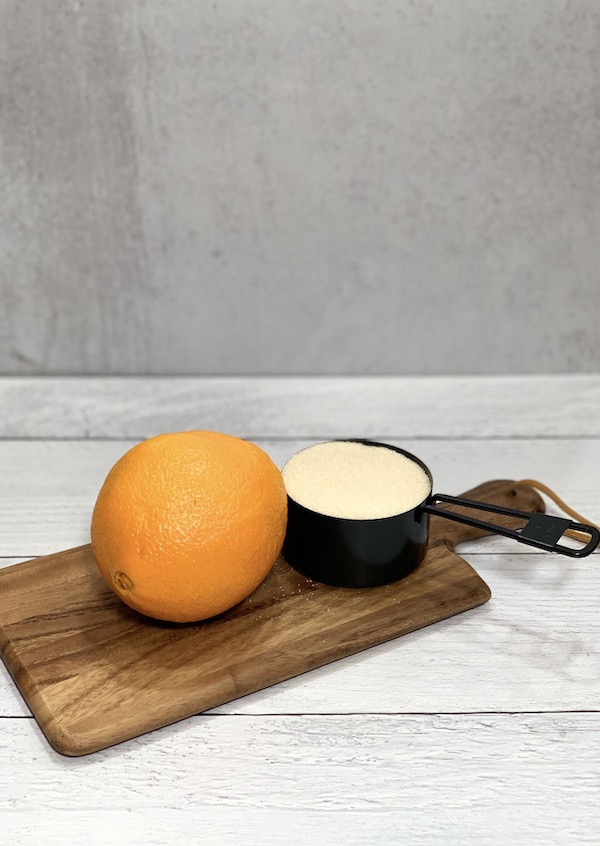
483 729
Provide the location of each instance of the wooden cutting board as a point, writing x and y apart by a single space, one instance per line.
95 673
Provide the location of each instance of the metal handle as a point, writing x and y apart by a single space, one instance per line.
541 530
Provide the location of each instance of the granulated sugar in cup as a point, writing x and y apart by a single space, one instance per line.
354 481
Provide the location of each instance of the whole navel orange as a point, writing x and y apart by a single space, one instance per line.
188 524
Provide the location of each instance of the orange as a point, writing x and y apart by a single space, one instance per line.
188 524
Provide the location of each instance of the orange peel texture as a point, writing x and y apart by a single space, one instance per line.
188 524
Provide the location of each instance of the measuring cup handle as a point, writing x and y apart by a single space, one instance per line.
541 530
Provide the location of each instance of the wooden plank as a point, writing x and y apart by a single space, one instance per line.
360 779
48 489
375 407
534 647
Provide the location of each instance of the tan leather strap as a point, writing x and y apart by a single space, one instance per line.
532 483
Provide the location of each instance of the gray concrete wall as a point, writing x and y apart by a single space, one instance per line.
299 186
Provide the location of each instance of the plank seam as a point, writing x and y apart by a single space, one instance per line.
367 714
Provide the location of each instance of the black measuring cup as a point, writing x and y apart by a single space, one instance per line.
349 552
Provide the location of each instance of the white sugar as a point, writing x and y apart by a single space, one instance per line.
355 481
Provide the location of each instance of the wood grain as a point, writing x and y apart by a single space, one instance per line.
440 780
95 673
536 646
369 407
